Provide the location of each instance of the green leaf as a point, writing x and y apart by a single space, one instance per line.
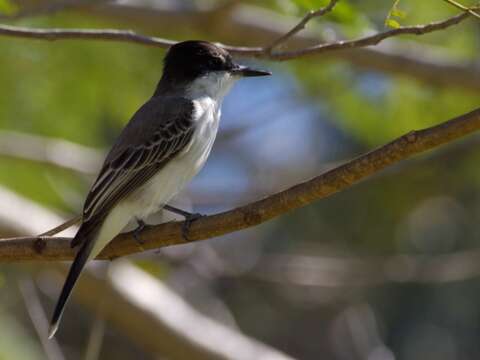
392 23
398 13
394 12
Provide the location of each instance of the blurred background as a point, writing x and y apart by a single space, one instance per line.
388 269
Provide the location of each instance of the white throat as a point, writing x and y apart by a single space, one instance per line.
214 85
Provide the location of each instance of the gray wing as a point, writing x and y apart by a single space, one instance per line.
159 130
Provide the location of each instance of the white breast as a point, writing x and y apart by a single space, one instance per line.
207 94
181 169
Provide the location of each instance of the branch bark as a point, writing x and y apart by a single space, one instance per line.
247 23
260 26
258 52
329 183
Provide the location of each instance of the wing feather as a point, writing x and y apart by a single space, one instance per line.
162 129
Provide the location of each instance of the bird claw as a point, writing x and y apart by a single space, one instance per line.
189 219
136 233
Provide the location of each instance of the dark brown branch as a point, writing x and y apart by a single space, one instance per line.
329 183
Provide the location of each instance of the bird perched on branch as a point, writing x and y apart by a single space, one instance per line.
161 149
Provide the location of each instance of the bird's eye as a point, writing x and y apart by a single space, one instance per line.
216 63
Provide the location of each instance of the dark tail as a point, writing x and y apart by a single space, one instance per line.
72 277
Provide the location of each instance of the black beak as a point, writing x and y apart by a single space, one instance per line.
242 70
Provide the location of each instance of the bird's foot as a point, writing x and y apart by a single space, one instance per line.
136 233
189 219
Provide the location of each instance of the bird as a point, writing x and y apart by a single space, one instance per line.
163 146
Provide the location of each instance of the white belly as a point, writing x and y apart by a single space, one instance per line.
180 170
156 192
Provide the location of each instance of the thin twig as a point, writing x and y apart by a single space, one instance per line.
301 25
61 227
322 186
464 8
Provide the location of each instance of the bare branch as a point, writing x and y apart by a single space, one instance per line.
372 39
301 25
84 34
256 25
329 183
261 26
133 37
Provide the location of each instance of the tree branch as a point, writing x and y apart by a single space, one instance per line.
329 183
372 39
181 333
255 25
259 26
84 34
258 52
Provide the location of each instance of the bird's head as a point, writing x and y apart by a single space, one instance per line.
202 66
